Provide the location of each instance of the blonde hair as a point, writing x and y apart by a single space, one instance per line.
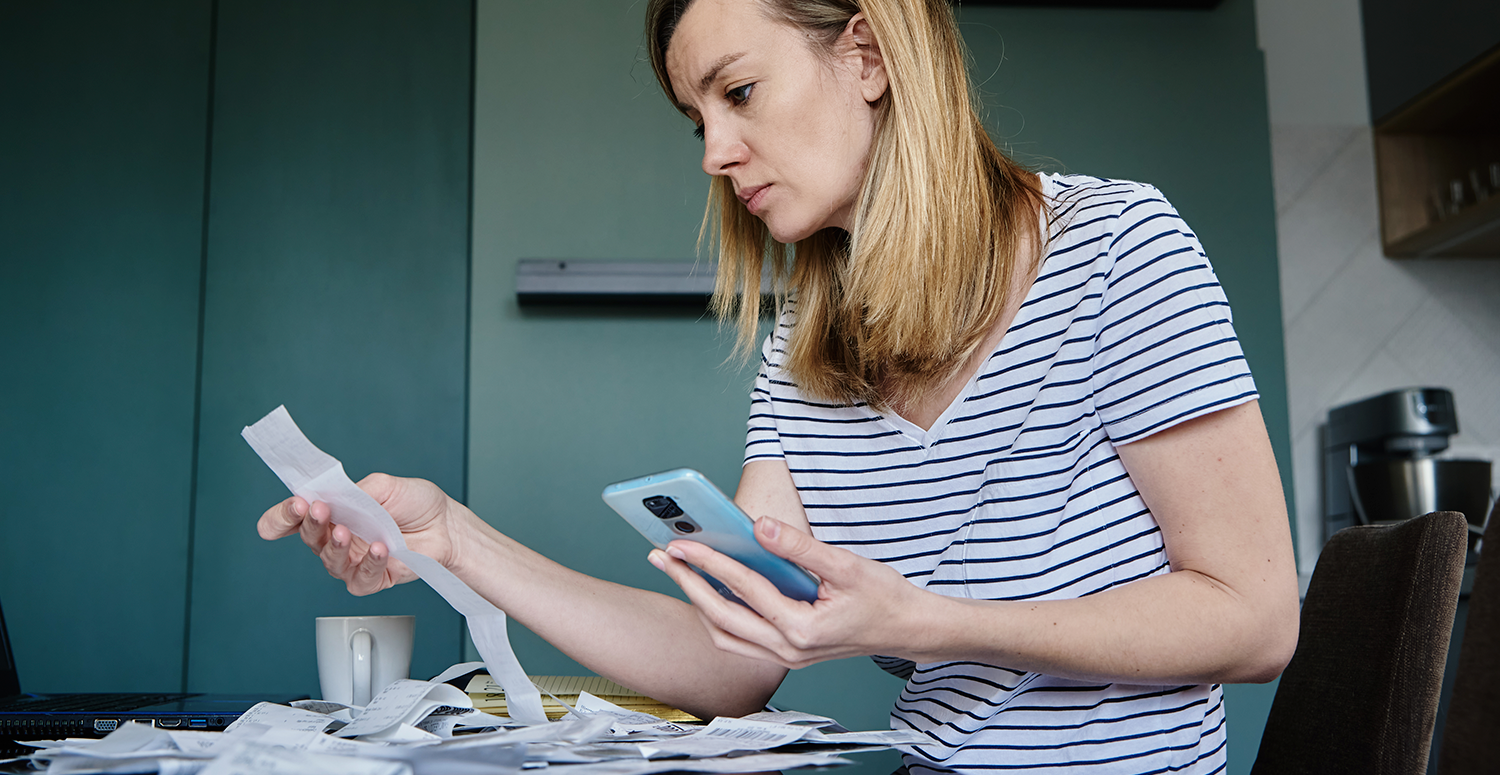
944 220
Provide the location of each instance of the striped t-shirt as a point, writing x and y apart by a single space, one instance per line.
1017 492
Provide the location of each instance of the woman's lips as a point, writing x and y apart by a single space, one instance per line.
753 196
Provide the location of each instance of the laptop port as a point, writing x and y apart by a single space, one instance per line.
169 723
106 724
198 723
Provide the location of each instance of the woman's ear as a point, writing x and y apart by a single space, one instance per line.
863 52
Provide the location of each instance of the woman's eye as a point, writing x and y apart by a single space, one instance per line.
698 131
740 95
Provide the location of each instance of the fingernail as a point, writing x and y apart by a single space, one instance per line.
655 559
770 528
675 552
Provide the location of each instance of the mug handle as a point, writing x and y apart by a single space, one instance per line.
361 664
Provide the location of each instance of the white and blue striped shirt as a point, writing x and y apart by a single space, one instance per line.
1017 493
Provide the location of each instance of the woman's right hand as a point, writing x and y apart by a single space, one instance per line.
424 513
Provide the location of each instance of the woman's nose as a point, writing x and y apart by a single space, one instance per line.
721 150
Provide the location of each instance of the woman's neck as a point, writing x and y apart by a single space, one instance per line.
925 410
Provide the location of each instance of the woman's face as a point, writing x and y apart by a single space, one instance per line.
791 127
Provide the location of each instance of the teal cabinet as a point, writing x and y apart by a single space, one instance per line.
101 228
206 210
337 284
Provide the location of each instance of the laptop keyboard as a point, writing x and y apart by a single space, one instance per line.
93 703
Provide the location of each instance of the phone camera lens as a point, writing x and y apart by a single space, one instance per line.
662 506
684 526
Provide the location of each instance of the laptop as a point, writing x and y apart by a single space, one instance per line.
54 716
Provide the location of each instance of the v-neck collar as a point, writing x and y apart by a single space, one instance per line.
930 436
926 438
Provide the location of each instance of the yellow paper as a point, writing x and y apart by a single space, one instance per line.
488 696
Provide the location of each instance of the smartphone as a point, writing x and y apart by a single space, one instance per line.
682 503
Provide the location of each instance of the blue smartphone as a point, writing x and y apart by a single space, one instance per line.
682 503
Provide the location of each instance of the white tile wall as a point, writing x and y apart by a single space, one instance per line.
1304 151
1357 323
1325 224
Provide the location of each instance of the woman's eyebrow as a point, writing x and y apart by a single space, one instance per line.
713 70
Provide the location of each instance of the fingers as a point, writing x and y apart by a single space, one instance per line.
336 552
726 641
283 519
316 526
694 585
754 632
856 611
371 577
364 568
780 539
746 584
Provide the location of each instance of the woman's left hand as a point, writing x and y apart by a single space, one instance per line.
863 606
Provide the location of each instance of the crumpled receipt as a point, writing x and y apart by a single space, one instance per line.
317 476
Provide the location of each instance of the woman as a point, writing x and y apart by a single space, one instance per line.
1003 418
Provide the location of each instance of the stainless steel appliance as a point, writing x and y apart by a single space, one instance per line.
1381 463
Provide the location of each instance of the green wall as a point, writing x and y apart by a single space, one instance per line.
337 284
578 156
101 221
208 209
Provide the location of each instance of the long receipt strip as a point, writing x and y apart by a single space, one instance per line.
317 476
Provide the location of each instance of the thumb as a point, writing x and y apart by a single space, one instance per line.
790 543
382 487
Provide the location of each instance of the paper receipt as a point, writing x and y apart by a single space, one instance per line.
317 476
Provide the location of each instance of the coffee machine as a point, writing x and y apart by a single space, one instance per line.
1381 463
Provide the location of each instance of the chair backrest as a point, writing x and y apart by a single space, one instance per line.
1471 734
1360 694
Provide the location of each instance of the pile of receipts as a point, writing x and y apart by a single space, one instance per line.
420 727
432 727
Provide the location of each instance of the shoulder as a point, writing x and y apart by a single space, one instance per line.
1085 205
1116 227
775 384
1159 324
773 347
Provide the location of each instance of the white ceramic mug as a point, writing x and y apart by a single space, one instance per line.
360 655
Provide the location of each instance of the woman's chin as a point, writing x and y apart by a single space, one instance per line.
789 234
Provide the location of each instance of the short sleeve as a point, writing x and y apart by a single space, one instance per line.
1166 350
762 441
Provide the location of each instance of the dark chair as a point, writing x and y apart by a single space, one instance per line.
1361 692
1471 735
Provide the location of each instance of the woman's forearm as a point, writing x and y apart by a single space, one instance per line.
1179 628
643 640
